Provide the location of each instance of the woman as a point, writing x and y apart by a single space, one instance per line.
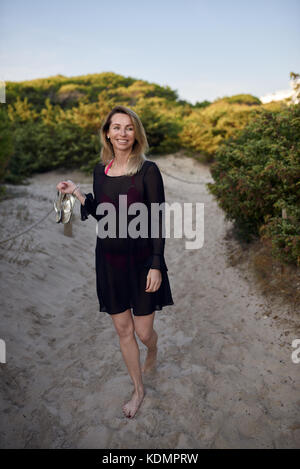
131 271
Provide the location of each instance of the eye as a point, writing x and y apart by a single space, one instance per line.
116 127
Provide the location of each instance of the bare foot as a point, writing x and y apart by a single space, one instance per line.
150 361
131 407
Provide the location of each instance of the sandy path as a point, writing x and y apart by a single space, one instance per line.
225 378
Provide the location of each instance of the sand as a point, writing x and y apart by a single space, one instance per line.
224 377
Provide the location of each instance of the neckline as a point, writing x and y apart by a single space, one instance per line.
121 176
109 165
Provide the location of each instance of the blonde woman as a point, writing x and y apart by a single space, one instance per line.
131 273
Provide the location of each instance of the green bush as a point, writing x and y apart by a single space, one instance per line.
284 235
241 99
161 126
42 147
257 174
6 143
205 129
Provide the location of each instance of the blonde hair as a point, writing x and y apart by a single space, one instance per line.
139 147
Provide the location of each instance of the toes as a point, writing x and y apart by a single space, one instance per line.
130 408
127 411
127 415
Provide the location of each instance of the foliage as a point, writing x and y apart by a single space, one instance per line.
162 127
56 121
257 174
206 128
6 143
241 99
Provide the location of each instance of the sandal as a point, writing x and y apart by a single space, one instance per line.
63 205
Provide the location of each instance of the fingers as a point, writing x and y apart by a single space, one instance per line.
64 186
152 284
61 189
153 287
148 281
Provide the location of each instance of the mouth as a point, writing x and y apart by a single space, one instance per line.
122 141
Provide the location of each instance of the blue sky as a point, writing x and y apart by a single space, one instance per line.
203 49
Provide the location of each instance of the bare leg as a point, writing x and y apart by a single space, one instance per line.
131 354
150 361
149 337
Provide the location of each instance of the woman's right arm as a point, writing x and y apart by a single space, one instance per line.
88 203
81 197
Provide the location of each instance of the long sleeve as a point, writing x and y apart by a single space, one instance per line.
90 204
154 191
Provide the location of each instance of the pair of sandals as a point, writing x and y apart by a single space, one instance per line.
63 206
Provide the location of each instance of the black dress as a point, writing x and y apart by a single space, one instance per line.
122 263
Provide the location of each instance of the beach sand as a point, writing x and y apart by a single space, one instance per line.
224 377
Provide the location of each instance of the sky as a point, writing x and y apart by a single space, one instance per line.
203 49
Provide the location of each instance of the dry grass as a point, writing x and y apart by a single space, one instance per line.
275 280
274 277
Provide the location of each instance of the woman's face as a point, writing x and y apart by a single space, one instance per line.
121 132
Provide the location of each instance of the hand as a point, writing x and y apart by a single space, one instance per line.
154 279
66 187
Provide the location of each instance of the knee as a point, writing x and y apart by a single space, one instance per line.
145 336
126 332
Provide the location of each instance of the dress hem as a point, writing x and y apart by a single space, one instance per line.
157 307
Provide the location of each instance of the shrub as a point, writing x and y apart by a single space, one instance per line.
204 130
257 175
6 143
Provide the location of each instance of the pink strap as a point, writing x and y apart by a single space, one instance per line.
109 166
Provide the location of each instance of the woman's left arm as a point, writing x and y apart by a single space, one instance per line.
154 190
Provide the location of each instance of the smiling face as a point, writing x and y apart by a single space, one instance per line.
121 132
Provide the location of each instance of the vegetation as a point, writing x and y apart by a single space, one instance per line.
253 147
6 146
55 121
257 181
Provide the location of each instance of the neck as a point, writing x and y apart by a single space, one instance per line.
121 158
